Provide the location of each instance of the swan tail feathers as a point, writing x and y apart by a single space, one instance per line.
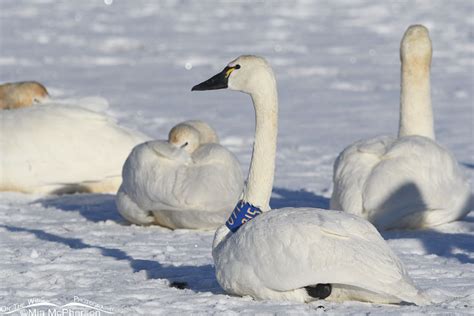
129 210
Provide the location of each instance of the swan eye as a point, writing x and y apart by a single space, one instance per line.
184 145
228 70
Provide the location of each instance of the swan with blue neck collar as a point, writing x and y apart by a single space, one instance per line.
297 254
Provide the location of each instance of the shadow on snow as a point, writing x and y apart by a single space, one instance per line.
101 207
456 245
197 278
299 198
93 207
468 165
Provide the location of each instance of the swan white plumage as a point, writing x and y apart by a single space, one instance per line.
410 181
189 181
57 148
298 254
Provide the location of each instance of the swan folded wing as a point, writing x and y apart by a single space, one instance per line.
149 177
163 149
213 182
159 176
53 110
423 177
351 170
96 104
301 247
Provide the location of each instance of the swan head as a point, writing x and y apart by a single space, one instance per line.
22 94
416 46
207 135
247 73
184 136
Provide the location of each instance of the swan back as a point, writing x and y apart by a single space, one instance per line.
427 187
47 148
317 246
407 182
352 168
21 94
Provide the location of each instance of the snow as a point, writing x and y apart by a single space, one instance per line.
337 65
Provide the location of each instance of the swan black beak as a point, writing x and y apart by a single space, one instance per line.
219 81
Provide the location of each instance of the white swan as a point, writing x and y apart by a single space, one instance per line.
298 254
189 181
58 148
410 181
21 94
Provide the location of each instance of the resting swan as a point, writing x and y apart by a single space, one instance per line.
298 254
21 94
189 181
410 181
53 148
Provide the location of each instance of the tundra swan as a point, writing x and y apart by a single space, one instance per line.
188 181
299 254
410 181
59 148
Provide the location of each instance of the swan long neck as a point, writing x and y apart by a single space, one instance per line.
262 167
416 113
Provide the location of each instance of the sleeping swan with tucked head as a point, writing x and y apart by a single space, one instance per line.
188 181
298 254
21 94
54 147
410 181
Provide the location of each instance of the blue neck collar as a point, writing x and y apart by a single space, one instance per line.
242 213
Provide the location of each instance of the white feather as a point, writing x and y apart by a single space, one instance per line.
277 254
281 252
53 148
165 185
410 181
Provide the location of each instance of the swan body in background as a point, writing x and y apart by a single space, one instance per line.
56 148
410 181
299 254
188 181
21 94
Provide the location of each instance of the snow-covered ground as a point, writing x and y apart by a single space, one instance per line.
337 65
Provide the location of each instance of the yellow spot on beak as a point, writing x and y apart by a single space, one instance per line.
228 72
